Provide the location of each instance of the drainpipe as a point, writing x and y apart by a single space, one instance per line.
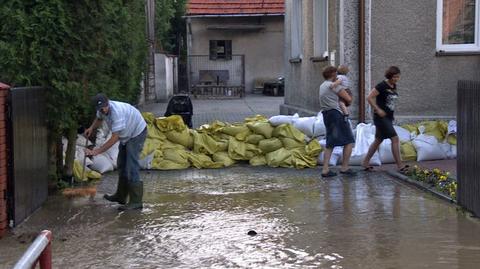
361 61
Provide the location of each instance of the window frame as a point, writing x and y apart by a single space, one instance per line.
475 47
318 30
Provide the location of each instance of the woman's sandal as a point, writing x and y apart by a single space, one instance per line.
329 174
368 169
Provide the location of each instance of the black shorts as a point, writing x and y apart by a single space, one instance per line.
338 129
384 128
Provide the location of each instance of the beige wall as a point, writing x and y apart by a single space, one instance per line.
302 79
263 49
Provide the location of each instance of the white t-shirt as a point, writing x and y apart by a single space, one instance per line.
123 119
345 81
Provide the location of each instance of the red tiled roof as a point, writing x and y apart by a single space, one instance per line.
234 7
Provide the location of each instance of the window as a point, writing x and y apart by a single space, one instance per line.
296 30
320 28
220 49
458 25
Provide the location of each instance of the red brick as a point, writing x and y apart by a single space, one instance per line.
3 170
2 124
3 162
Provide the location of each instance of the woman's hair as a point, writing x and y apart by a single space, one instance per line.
329 72
342 69
392 71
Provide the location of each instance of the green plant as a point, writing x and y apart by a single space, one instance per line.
436 178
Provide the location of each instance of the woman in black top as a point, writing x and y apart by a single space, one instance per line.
383 98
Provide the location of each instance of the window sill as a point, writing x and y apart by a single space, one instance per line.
457 53
319 59
295 60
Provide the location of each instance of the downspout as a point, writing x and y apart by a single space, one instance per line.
361 61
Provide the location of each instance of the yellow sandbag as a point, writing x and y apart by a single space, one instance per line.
251 151
254 139
200 160
434 128
233 130
222 145
287 130
174 122
94 175
313 148
154 133
412 128
269 145
262 127
452 139
77 171
290 143
176 156
204 143
212 128
148 117
183 137
258 160
255 118
408 152
239 150
162 164
301 159
170 145
150 146
223 158
276 158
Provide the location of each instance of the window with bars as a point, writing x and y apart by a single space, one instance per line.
296 30
220 49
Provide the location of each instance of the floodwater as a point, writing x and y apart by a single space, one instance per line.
200 219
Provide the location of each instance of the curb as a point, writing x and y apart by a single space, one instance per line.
420 185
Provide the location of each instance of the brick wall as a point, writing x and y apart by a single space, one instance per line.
3 160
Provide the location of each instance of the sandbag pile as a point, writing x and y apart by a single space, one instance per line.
172 145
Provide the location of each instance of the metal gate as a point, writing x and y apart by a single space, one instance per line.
468 157
28 162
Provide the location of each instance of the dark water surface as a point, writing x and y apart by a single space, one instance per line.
200 219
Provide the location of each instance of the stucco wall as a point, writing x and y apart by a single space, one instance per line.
263 49
302 79
404 34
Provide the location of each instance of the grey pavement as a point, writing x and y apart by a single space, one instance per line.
227 110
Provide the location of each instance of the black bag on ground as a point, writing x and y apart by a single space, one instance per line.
181 105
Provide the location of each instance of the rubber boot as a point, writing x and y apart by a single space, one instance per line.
120 196
135 191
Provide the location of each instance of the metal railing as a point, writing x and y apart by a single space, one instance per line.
468 158
39 252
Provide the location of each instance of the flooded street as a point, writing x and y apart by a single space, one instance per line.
200 219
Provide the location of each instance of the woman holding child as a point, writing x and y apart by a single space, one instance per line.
339 133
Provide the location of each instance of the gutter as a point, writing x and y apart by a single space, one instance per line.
233 15
361 61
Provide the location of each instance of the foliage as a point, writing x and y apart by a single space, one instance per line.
170 25
436 178
75 49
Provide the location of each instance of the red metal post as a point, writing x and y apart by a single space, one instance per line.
45 258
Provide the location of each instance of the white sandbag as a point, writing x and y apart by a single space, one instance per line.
428 148
80 155
333 159
403 134
101 163
365 135
319 126
146 163
305 125
452 127
81 141
449 150
385 152
281 119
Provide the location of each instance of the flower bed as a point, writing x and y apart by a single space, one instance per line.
435 178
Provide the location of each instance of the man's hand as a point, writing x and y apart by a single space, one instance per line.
88 132
92 152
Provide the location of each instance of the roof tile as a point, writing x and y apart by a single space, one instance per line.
235 7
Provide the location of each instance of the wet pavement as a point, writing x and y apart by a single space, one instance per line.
200 219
